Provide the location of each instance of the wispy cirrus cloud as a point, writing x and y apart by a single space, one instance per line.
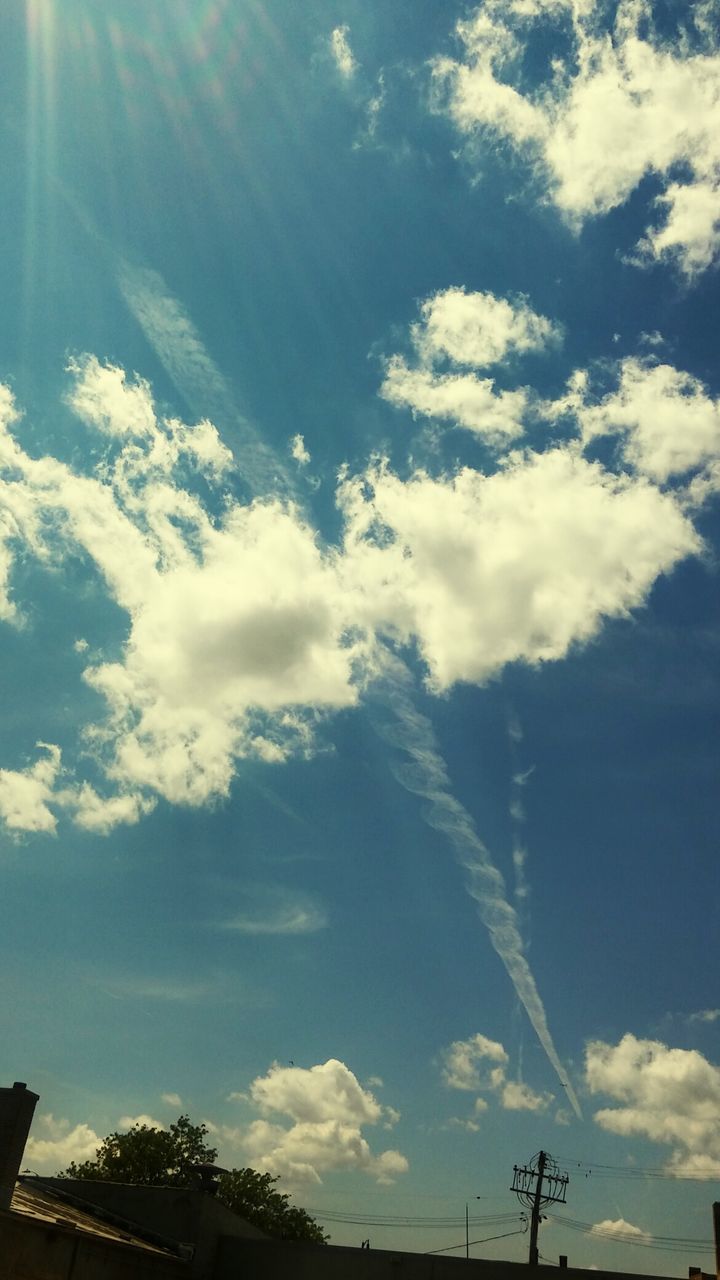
275 912
341 52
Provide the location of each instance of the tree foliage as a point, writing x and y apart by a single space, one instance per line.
154 1157
148 1156
252 1195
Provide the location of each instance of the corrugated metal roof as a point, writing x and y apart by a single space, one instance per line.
38 1202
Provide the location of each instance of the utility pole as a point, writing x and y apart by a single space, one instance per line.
528 1187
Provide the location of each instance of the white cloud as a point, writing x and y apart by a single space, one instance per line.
341 52
104 398
669 424
172 1099
473 330
463 1059
518 1096
101 814
243 630
625 103
619 1229
519 565
237 626
670 1096
460 398
479 1064
328 1109
59 1145
299 451
143 1120
705 1015
25 794
479 329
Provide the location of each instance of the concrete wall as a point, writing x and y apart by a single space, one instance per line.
33 1250
290 1260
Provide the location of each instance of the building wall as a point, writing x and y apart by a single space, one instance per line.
291 1260
178 1214
33 1250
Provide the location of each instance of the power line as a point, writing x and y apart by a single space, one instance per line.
401 1220
667 1244
636 1172
449 1247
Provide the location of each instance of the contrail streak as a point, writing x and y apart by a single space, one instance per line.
182 353
427 776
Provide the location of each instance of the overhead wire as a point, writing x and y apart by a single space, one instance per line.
403 1220
636 1172
668 1244
467 1244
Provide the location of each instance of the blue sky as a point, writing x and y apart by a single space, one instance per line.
359 462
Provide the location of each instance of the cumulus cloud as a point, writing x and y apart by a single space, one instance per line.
479 329
462 1061
54 1144
172 1099
26 794
622 103
667 421
327 1108
518 1096
479 1064
244 630
460 398
518 565
619 1229
140 1121
670 1096
473 330
237 624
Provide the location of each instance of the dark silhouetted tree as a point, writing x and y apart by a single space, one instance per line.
170 1157
149 1156
253 1197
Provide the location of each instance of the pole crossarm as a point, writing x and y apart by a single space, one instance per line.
536 1185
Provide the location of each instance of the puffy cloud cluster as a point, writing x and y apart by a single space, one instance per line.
25 794
668 423
328 1109
470 331
619 1229
622 104
670 1096
518 565
234 621
243 629
479 1064
463 1059
54 1144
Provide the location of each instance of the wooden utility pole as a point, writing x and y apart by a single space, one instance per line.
528 1187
